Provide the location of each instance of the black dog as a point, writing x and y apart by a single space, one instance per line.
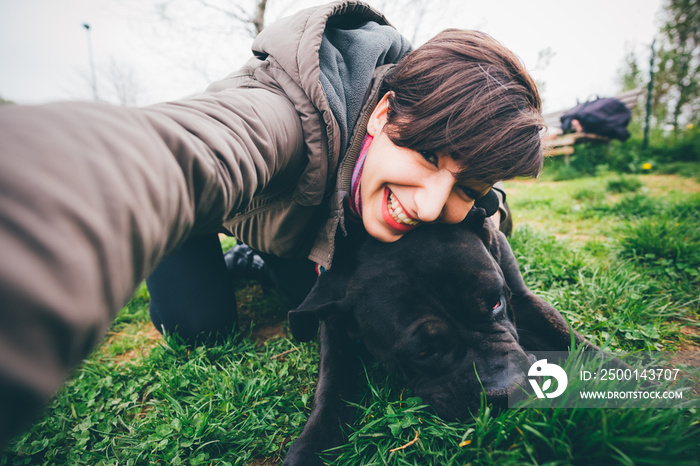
437 307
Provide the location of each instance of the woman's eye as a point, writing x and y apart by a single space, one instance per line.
431 157
471 193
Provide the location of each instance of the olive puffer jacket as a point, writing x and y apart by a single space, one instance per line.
93 196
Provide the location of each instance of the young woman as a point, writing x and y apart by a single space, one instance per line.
454 117
332 120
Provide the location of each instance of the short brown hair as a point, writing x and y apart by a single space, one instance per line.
465 94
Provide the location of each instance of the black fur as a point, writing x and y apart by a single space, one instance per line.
440 305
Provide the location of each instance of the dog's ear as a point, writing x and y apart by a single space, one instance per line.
503 254
540 326
489 202
326 298
476 222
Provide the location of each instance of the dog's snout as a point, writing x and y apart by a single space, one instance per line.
504 371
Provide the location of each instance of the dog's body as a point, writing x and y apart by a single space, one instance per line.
437 307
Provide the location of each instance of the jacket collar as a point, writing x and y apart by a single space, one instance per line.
324 244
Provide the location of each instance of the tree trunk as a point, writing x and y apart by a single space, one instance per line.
259 18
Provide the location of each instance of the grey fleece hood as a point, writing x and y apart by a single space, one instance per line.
329 54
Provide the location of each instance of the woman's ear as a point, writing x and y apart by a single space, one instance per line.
377 119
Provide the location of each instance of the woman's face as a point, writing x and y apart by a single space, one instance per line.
402 188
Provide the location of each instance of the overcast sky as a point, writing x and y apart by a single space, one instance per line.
44 47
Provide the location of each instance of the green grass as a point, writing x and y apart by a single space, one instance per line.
619 257
624 184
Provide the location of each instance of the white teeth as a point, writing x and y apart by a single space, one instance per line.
398 214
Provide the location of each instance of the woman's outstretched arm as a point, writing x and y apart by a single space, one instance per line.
92 197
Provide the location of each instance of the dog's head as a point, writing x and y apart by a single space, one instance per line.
434 307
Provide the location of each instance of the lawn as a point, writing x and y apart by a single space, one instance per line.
619 256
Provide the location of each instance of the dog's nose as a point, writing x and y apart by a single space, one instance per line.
504 371
502 398
508 383
503 381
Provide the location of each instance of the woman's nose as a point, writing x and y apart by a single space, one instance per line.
432 197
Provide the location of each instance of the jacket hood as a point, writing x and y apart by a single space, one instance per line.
329 55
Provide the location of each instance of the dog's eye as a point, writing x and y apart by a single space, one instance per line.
498 306
425 354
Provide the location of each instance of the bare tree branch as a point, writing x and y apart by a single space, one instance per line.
122 82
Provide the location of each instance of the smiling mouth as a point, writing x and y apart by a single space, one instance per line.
397 213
